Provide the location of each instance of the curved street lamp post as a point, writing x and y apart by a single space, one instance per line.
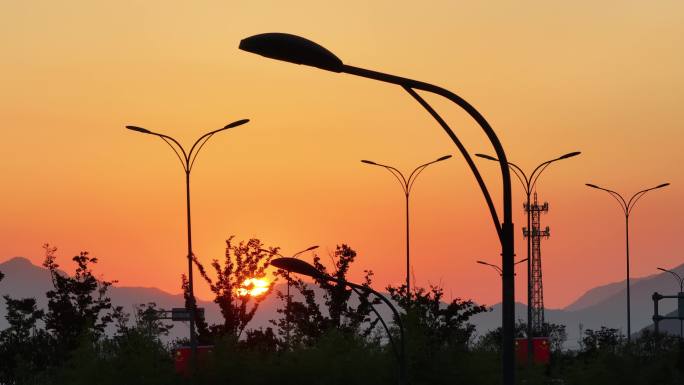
407 185
295 49
187 159
298 266
627 207
681 290
529 183
289 299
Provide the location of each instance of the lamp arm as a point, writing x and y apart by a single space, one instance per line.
497 268
400 178
175 151
193 156
621 201
397 316
382 321
163 136
210 133
677 277
409 85
388 303
633 201
538 171
397 174
414 175
517 171
469 160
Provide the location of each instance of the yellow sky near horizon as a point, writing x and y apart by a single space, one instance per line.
604 78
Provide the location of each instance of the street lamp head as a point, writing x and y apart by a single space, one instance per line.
482 262
661 269
236 123
486 157
294 265
445 157
293 49
139 129
662 185
570 155
368 162
592 185
312 248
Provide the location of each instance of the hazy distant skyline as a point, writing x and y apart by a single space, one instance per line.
602 78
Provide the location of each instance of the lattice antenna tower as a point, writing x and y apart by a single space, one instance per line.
535 210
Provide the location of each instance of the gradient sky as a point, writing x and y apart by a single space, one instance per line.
603 77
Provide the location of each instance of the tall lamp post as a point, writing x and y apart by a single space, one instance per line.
627 207
298 50
407 185
681 290
187 159
301 267
529 184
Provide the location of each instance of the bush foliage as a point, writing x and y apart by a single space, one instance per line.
328 339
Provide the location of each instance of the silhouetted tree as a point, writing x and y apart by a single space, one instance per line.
24 348
557 335
306 319
442 324
242 261
148 322
77 305
491 341
604 339
204 336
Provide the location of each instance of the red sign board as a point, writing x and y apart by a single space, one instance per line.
540 347
182 358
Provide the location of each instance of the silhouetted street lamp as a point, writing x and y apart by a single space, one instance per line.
187 160
295 49
529 184
627 207
681 290
496 267
298 266
407 185
289 299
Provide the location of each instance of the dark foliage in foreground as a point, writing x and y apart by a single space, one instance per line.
334 340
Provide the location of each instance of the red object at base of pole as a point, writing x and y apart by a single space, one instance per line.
182 357
541 350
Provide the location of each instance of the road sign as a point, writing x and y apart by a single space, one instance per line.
183 314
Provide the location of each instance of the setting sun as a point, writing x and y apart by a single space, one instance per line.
253 287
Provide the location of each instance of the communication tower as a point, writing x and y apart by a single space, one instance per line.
536 234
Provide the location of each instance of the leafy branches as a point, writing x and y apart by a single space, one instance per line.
243 263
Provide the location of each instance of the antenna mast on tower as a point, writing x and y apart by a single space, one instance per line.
535 210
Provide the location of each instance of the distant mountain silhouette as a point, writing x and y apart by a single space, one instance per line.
601 306
598 294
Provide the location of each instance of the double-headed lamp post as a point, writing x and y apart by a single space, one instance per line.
496 267
627 206
298 50
407 185
298 266
187 159
529 184
680 280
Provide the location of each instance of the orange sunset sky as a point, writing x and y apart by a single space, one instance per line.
605 78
